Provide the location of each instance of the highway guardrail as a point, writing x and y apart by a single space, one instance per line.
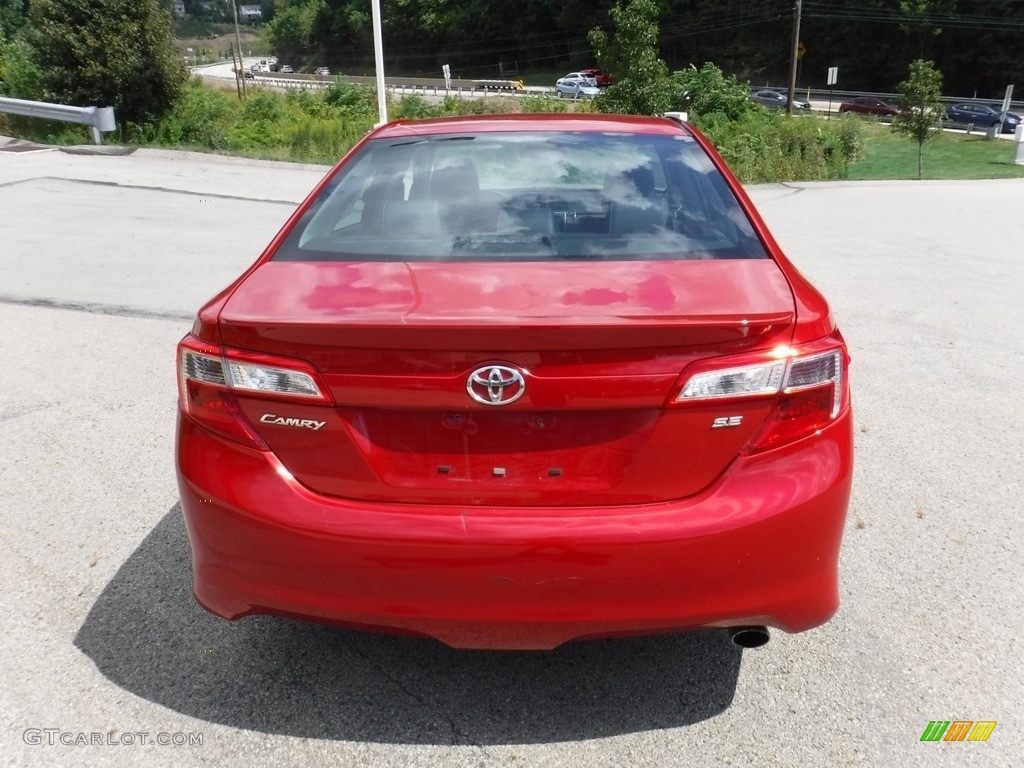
99 119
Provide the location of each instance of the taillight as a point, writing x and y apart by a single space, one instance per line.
807 383
209 377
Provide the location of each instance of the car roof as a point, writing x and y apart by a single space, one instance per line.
596 123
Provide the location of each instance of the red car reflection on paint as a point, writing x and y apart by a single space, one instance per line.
510 381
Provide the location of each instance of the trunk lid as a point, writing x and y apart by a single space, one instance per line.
599 346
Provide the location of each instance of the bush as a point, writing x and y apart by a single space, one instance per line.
413 107
200 118
769 147
263 107
349 99
322 141
20 75
543 104
707 91
488 105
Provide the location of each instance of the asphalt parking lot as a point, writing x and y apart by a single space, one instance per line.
103 260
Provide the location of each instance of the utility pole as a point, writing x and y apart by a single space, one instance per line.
794 58
238 41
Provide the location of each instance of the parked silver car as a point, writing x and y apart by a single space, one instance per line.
576 85
776 100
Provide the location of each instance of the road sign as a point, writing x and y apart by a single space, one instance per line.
833 75
1007 98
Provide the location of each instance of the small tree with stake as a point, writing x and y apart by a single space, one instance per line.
920 110
642 84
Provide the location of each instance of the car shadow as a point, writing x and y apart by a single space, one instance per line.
147 634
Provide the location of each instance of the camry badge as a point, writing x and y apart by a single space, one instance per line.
282 421
496 385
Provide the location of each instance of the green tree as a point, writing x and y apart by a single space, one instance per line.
642 84
707 91
20 77
12 17
117 53
920 108
294 30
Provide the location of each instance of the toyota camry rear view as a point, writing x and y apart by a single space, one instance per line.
511 381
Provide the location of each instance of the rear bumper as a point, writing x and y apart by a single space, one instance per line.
760 546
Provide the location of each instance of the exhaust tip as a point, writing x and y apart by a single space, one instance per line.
749 637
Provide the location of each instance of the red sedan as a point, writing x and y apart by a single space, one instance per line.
602 78
868 105
510 381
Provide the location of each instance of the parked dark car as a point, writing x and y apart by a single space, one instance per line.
776 100
982 115
868 105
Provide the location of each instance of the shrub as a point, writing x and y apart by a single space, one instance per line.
542 104
768 147
413 107
706 91
349 99
262 107
317 140
20 75
200 118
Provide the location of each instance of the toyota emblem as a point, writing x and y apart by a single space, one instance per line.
496 385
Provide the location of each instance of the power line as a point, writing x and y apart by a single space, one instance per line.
844 12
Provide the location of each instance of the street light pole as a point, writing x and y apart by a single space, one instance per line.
378 58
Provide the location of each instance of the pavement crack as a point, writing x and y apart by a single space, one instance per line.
95 308
153 188
459 737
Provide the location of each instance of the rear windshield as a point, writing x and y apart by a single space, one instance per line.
541 196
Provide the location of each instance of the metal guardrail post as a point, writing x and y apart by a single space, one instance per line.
103 123
99 119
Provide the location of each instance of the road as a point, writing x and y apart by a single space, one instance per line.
434 91
431 88
103 260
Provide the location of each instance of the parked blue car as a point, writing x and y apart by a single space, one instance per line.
982 115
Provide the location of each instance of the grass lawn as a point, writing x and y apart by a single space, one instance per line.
887 155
